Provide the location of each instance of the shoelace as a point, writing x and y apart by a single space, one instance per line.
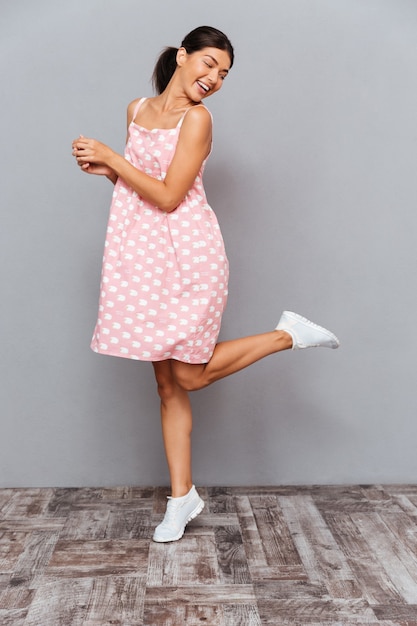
172 508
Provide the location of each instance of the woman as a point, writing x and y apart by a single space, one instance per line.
165 271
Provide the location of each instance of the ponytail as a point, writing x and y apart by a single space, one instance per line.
164 69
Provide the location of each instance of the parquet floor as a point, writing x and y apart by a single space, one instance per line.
266 555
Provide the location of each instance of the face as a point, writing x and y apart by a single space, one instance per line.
203 72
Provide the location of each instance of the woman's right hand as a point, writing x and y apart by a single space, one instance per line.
96 168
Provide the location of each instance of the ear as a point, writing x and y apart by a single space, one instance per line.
181 56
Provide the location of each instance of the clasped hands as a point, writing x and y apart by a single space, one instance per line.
92 156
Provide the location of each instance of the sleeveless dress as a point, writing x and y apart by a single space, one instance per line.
164 276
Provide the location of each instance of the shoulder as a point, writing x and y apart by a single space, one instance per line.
132 105
198 121
198 114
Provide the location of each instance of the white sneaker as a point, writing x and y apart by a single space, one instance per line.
306 334
179 512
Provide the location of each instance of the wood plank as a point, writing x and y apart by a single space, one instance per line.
405 504
175 564
5 497
241 615
4 580
60 603
405 496
357 499
257 540
115 498
316 545
85 524
254 549
376 587
30 524
393 558
273 532
16 598
231 556
404 613
26 503
407 489
129 524
289 590
202 594
308 612
273 490
278 572
63 500
340 498
169 614
209 521
12 545
92 558
123 493
173 614
404 528
221 500
14 617
34 557
116 600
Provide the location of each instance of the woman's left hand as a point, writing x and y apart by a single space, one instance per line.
90 151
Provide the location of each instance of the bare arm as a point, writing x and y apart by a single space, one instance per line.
193 147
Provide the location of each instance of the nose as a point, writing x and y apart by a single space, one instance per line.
213 76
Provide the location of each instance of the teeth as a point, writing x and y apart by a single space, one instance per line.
203 86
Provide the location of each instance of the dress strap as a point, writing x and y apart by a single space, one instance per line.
136 109
186 111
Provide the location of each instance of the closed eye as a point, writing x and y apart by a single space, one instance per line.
211 62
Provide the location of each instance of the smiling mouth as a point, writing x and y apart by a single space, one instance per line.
203 86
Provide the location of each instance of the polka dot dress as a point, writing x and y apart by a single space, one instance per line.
164 277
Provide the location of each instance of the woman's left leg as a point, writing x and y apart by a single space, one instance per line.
184 504
176 420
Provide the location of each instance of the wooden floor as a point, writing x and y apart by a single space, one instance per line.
283 555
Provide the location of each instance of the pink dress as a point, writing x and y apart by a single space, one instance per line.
164 278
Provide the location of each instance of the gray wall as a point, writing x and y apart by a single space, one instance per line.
313 180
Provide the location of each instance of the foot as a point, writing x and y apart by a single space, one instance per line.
306 334
179 512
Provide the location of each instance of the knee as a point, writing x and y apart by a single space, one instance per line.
165 380
167 388
190 378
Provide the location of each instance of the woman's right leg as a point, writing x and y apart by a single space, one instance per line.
293 331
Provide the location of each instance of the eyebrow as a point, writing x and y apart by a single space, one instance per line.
216 62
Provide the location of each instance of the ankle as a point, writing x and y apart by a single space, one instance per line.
284 339
181 490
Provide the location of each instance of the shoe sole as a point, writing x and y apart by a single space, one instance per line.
191 516
307 322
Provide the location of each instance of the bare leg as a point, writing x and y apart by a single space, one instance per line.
176 378
230 357
176 419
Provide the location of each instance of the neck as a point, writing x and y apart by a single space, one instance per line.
173 97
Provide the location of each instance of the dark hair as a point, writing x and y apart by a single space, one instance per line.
197 39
